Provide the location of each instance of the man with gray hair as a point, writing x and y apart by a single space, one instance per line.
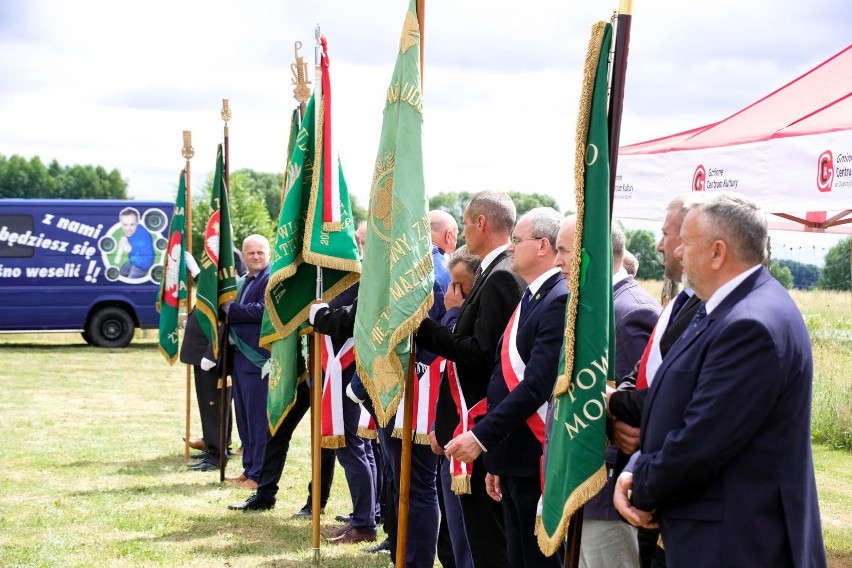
510 435
471 347
246 358
735 384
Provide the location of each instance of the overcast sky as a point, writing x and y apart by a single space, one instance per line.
115 83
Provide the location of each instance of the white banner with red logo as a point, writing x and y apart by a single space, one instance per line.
331 422
793 175
425 400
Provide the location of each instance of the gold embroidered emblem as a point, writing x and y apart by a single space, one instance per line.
410 33
274 373
385 373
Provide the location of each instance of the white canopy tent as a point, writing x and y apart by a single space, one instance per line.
791 151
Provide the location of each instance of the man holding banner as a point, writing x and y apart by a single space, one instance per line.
488 221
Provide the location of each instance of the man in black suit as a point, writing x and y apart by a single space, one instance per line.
511 434
624 406
607 541
488 220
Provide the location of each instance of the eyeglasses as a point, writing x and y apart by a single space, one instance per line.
517 241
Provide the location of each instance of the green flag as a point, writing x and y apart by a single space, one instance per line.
396 286
217 282
315 229
173 285
574 469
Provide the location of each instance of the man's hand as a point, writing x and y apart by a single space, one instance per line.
433 442
124 244
621 500
463 448
453 297
626 437
191 264
492 487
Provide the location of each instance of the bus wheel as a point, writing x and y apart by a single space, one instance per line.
110 327
87 337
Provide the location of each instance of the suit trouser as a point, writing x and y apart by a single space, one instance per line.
250 391
278 445
454 517
422 504
483 521
210 410
520 500
359 474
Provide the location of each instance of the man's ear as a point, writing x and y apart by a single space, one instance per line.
718 253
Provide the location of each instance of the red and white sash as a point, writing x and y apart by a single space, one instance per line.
333 434
366 425
652 357
513 367
425 401
459 470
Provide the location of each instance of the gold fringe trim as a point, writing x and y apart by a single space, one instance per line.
367 433
383 417
332 226
581 136
460 484
417 438
333 262
333 442
219 383
581 495
170 358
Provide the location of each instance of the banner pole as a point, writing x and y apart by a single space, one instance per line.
187 152
225 399
616 97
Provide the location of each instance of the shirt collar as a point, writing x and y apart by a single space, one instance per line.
728 287
489 258
619 276
536 284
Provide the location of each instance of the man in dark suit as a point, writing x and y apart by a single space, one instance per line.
725 464
511 434
197 350
607 541
250 389
488 220
624 406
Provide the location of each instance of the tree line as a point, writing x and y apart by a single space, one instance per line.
256 199
20 177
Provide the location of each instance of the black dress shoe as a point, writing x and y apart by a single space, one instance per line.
307 512
198 456
379 547
343 518
203 466
253 503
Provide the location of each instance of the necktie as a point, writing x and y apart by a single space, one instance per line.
699 315
525 301
679 301
477 275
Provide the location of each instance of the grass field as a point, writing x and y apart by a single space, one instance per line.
95 475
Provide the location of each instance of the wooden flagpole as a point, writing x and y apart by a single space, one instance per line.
408 397
187 152
616 95
225 400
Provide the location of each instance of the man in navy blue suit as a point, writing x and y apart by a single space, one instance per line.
250 389
607 541
511 434
725 465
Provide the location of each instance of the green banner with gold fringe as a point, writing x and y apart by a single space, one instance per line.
396 286
574 469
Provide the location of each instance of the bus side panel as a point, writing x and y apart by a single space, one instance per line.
60 258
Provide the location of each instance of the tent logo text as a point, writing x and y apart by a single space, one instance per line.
825 171
699 178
